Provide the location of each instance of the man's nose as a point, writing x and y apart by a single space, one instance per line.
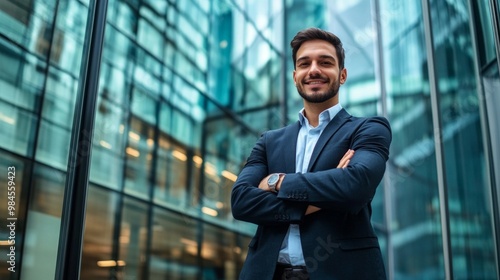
314 70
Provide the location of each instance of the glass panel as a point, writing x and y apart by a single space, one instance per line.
172 174
183 128
108 146
13 171
361 93
462 138
139 156
133 236
17 127
257 71
221 256
67 37
53 145
60 98
415 229
485 35
123 16
143 106
491 84
115 66
22 81
44 219
115 89
147 71
100 226
149 37
174 247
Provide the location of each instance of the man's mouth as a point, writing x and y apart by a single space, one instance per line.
315 82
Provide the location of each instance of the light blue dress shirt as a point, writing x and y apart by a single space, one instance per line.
291 248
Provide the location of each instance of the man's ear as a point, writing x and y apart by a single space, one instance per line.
293 75
343 76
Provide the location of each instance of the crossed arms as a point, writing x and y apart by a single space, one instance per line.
347 188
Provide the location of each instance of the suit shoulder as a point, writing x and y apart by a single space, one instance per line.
371 120
279 131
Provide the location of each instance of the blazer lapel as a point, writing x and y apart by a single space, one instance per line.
332 127
290 144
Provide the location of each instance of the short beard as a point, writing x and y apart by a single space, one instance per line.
331 92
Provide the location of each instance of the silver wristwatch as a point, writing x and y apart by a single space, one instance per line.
272 181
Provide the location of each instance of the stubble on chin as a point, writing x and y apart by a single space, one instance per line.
318 97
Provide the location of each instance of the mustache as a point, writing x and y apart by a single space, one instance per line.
316 77
310 79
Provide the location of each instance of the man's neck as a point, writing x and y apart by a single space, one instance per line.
312 111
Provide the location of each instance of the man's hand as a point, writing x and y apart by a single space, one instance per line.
344 162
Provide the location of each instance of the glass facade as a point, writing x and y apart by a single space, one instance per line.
185 88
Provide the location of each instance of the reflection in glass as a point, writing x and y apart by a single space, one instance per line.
132 238
171 173
42 229
16 126
11 189
173 247
415 229
100 223
462 137
139 156
108 144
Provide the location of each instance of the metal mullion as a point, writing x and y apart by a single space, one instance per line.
496 30
75 194
387 179
438 142
495 195
495 219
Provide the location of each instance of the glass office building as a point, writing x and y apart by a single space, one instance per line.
182 91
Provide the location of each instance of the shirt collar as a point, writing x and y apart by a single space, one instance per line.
324 117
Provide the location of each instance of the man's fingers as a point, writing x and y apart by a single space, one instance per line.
311 209
346 159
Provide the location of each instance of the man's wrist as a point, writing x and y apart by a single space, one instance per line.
274 181
282 176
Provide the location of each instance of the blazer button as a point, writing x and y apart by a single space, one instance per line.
276 216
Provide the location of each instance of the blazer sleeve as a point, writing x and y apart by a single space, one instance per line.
349 189
251 204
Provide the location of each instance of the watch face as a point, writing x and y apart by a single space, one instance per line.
273 179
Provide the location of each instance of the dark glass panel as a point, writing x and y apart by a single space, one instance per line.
139 158
13 187
414 228
462 139
133 236
43 224
174 246
100 225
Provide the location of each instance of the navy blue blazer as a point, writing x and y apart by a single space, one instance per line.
338 242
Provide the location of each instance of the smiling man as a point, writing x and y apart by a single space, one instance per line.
309 186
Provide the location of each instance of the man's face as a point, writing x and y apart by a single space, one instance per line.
317 74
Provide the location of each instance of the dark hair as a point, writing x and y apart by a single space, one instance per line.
317 34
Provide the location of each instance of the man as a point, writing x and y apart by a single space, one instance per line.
308 186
